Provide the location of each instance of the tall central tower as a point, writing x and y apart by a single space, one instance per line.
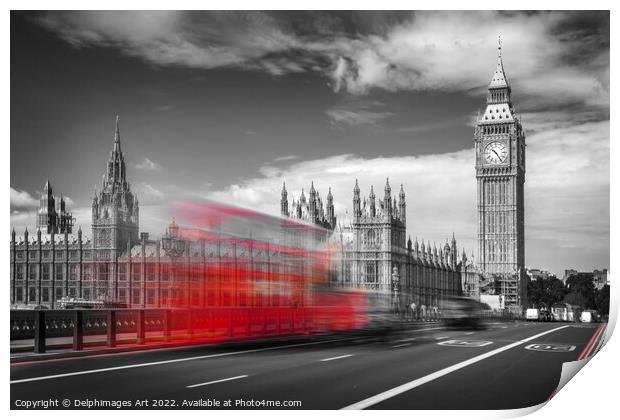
115 207
500 173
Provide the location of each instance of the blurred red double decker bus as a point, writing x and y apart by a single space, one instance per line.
242 273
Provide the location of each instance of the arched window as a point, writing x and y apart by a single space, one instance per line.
371 237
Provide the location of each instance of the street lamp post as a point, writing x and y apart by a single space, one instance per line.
396 290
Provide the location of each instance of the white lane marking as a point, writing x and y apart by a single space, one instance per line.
551 347
335 358
465 343
217 381
443 337
164 362
401 345
402 340
469 333
504 326
375 399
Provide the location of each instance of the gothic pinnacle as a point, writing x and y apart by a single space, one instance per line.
499 45
117 137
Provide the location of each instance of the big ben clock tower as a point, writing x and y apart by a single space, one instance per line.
500 174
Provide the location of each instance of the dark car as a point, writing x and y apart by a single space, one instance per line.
545 316
459 311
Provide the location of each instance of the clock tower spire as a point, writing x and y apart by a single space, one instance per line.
500 173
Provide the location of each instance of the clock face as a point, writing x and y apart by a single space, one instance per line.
495 152
104 238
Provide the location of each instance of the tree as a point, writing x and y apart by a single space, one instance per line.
576 298
545 292
601 300
581 290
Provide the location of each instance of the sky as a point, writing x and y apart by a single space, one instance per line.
228 105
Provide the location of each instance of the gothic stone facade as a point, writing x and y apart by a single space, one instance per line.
115 214
373 253
124 268
310 211
54 263
500 173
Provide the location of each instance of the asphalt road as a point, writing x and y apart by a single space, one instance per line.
425 367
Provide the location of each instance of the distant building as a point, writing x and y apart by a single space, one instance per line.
473 282
495 302
538 273
567 273
600 278
52 215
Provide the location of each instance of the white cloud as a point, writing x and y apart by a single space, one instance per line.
341 115
452 51
148 165
354 111
22 200
165 107
567 191
148 191
430 192
24 213
199 40
285 158
23 210
83 219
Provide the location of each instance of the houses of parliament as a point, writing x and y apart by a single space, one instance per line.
372 248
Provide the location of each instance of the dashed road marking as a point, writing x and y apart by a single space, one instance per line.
165 362
335 358
217 381
465 343
406 339
401 345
